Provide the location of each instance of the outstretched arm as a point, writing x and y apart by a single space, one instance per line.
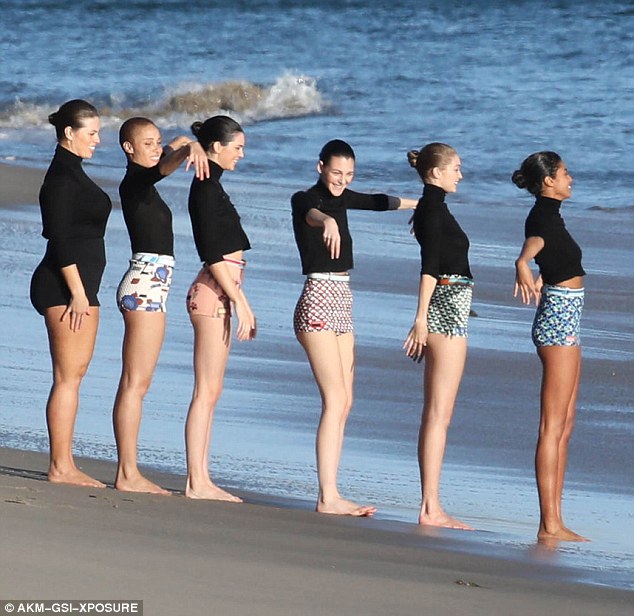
525 283
183 148
401 203
331 237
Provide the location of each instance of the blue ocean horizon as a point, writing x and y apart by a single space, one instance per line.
497 81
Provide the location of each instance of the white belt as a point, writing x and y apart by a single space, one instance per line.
150 257
329 276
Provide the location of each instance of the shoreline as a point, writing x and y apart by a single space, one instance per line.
266 554
492 551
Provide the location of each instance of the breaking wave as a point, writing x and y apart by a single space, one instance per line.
290 96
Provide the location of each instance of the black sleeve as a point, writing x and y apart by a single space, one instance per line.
534 228
301 204
58 200
428 228
204 206
364 201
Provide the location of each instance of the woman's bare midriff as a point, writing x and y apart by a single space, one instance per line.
572 283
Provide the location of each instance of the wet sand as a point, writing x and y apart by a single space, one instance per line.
271 554
183 556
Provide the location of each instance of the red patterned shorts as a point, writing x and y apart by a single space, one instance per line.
324 305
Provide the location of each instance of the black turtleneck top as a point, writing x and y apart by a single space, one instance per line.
313 253
444 246
146 215
74 210
560 258
215 221
74 216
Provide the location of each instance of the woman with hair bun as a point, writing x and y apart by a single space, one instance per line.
439 332
65 284
217 289
559 296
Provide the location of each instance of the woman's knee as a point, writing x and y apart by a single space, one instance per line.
339 404
552 428
208 395
136 386
69 375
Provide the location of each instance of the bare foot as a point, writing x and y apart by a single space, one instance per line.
210 491
443 520
560 534
138 483
341 506
73 476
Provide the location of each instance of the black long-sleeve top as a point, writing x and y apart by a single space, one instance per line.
215 221
74 212
147 217
314 254
560 258
444 246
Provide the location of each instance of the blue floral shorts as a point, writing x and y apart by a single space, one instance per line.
558 317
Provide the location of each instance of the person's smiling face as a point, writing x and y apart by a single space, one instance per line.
82 141
228 155
447 177
144 147
337 174
560 187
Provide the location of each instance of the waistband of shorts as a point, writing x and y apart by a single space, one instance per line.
241 263
328 276
553 289
455 279
151 257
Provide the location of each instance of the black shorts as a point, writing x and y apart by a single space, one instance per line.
48 287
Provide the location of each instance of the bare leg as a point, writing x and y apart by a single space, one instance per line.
331 359
212 342
144 332
444 364
560 381
71 353
563 446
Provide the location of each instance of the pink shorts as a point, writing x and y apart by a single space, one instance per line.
206 297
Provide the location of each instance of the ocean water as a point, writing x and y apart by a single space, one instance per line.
497 80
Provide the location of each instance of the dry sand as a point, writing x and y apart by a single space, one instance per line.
195 557
19 185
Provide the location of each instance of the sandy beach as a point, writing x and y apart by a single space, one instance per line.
272 554
265 557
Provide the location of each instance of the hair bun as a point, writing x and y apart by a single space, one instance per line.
412 157
518 179
52 118
195 128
